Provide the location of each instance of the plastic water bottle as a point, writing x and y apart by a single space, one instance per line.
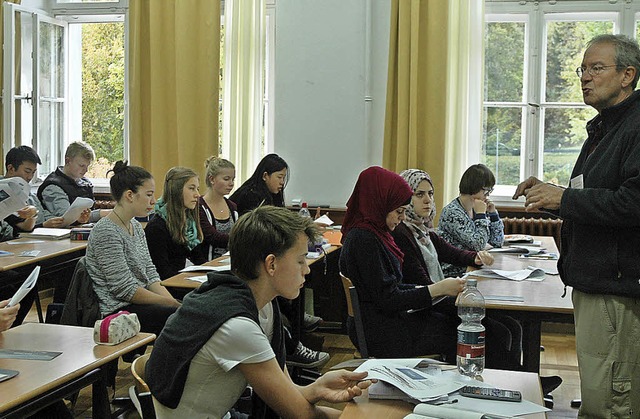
470 358
304 211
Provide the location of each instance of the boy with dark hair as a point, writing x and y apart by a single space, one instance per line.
228 333
23 162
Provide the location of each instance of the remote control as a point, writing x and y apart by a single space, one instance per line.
491 393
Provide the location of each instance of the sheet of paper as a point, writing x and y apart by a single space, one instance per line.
77 206
30 253
519 275
25 288
200 278
23 241
14 193
205 268
418 384
23 354
324 220
515 298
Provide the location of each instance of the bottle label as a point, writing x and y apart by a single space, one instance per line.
470 344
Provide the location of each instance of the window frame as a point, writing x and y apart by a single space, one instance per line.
536 16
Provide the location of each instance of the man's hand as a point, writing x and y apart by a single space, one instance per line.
55 222
491 207
522 188
28 212
7 315
84 216
543 195
339 386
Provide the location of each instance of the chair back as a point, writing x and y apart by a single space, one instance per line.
353 309
140 393
81 306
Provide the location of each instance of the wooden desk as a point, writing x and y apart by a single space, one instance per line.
525 382
49 249
543 300
41 383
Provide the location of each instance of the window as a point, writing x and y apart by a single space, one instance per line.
69 84
533 114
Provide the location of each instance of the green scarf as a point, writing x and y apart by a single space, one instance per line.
191 231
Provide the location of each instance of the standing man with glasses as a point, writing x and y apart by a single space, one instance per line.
600 239
471 221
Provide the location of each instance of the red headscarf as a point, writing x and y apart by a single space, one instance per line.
377 192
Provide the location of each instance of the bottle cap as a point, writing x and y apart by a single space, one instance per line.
304 205
472 281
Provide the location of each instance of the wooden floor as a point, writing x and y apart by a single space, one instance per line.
558 358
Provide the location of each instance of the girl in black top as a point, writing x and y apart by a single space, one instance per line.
265 186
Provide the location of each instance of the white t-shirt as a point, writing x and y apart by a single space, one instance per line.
213 384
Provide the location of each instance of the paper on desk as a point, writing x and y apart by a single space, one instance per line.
22 241
200 278
25 288
72 214
206 268
531 275
14 193
417 384
520 248
324 220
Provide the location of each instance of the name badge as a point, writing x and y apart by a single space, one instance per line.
577 182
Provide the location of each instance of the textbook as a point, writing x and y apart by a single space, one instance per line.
48 233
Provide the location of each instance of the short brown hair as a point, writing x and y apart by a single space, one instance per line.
80 148
475 178
263 231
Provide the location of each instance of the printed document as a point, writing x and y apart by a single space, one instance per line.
14 193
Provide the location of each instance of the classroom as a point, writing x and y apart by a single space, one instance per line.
334 87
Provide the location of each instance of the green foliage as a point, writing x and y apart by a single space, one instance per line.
504 80
103 90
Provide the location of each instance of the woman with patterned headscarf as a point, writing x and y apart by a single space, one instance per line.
424 250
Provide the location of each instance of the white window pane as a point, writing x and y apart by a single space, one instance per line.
504 61
501 143
564 134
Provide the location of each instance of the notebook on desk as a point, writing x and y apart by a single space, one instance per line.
48 233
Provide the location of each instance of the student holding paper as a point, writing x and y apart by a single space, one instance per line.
118 261
7 315
217 213
66 183
228 332
23 162
174 234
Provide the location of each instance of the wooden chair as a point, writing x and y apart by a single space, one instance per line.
353 309
140 393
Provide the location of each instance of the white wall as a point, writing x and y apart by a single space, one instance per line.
321 73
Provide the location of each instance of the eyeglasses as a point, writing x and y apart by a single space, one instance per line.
487 191
596 70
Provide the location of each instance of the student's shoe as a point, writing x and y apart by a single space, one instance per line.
311 323
550 383
307 358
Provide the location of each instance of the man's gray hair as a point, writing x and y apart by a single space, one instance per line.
627 52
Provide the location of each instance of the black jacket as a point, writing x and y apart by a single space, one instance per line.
600 239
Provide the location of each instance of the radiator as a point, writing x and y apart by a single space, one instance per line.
534 227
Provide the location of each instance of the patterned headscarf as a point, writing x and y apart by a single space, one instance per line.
413 178
420 226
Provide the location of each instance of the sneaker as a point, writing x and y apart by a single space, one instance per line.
311 323
307 358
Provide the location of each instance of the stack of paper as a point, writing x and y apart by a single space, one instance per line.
48 233
536 274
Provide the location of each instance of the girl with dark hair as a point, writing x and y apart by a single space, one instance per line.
174 234
265 186
471 221
118 260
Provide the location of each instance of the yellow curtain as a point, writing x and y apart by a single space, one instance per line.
173 83
245 34
464 89
415 120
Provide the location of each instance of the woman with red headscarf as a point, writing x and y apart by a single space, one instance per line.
373 262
